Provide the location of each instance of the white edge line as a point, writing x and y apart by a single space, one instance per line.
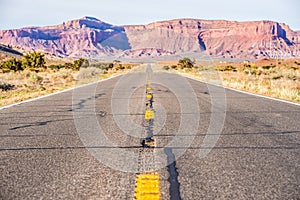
55 93
240 91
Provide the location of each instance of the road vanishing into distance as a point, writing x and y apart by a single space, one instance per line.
209 143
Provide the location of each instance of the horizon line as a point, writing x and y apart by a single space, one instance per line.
146 23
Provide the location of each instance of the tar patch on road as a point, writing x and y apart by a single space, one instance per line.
173 178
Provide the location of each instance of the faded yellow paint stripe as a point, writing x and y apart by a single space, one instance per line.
149 114
148 88
147 187
149 96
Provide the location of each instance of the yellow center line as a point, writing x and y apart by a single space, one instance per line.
149 96
147 187
149 114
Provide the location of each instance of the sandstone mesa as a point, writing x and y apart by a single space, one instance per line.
92 38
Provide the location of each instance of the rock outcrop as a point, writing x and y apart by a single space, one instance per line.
90 37
218 38
86 37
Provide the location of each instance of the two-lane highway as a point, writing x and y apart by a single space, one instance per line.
80 144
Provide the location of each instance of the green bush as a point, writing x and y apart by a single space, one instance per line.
227 68
33 61
69 66
186 63
81 62
55 67
104 67
11 65
268 67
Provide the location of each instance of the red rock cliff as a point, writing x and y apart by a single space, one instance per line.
90 37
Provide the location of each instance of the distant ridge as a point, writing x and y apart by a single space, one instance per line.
5 50
91 37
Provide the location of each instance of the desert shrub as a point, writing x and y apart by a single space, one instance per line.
122 67
246 66
227 68
259 71
104 67
111 65
246 72
255 72
6 86
166 67
294 67
33 61
127 66
186 63
268 67
69 65
251 69
277 76
116 66
291 76
81 62
55 67
297 63
11 65
174 66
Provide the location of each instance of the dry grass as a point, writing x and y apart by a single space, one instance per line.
283 88
279 79
29 84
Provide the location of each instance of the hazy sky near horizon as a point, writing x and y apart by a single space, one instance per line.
22 13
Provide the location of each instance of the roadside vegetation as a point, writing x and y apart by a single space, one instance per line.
29 76
269 77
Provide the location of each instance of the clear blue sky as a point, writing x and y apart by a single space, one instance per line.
21 13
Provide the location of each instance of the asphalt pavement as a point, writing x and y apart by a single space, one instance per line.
210 142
